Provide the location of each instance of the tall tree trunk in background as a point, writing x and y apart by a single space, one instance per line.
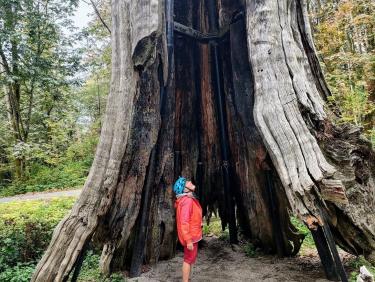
157 127
13 94
12 91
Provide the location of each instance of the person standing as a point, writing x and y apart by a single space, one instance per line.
189 223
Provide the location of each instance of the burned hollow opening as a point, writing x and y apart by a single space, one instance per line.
216 142
216 139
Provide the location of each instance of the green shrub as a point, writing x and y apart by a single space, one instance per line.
250 250
82 151
90 267
90 270
19 273
214 228
308 242
356 263
68 171
63 176
26 228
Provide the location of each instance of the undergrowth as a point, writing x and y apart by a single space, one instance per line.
26 229
66 172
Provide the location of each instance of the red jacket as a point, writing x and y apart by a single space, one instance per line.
189 220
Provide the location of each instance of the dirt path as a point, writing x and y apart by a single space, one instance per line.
42 195
218 262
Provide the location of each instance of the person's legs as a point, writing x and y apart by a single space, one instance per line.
189 259
185 271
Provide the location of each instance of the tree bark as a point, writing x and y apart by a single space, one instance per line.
283 147
104 200
290 116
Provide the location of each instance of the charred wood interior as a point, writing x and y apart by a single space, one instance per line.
216 140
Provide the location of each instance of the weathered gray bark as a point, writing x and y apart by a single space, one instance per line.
274 92
105 185
289 114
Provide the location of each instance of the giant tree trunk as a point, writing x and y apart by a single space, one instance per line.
158 127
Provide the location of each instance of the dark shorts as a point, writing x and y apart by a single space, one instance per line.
191 256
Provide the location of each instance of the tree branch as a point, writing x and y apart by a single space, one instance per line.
99 16
4 62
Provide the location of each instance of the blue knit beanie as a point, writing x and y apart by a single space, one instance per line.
179 185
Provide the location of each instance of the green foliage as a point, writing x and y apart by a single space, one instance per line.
25 231
26 228
354 105
97 60
308 242
90 270
214 228
249 250
90 267
19 273
38 64
48 179
61 118
71 170
345 39
356 263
